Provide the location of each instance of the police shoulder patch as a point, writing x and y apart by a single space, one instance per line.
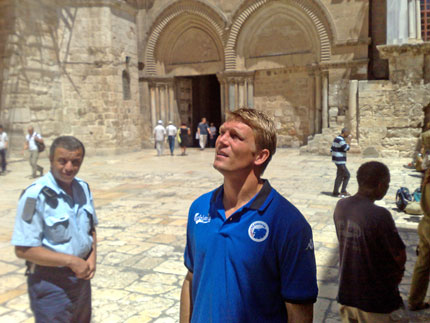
29 208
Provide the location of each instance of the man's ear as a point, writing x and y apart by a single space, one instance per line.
261 157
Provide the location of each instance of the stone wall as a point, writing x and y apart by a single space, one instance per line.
65 70
280 93
391 117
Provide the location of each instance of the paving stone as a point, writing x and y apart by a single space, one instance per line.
142 204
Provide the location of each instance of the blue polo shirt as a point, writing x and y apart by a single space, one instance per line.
60 223
247 266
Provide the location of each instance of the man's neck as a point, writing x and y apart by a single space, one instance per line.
67 187
239 190
366 194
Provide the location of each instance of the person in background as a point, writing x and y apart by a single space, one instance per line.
213 135
421 274
55 233
203 131
30 143
3 149
372 255
184 135
171 134
339 148
159 137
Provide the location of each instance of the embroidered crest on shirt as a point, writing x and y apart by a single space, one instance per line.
258 231
202 218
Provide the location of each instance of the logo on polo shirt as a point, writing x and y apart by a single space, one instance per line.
258 231
310 245
201 218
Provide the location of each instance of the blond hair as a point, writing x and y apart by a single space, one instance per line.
262 126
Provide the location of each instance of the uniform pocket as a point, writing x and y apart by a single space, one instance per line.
58 229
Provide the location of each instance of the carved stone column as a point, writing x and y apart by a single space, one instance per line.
237 89
163 105
352 107
324 113
317 92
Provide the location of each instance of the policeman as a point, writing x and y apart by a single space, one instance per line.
55 233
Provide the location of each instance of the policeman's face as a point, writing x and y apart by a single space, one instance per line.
235 148
65 164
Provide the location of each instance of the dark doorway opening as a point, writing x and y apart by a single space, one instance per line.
199 97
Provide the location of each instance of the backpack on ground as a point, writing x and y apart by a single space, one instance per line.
403 197
416 195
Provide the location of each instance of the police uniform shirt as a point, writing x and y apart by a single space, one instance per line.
55 220
247 266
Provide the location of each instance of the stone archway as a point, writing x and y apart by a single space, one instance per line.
186 41
283 44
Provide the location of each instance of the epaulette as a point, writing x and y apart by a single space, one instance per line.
51 197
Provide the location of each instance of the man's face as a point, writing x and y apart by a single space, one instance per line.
65 164
235 148
30 131
204 120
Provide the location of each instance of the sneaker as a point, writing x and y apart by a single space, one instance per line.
345 194
335 194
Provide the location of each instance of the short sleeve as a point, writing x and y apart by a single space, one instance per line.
188 254
28 233
298 267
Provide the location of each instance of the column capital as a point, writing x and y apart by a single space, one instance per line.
235 76
157 80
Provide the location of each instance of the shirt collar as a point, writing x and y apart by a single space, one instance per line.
54 185
258 202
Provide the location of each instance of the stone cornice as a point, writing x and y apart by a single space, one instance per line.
353 42
235 76
129 6
345 64
156 80
387 51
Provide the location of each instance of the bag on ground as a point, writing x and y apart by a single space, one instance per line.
403 197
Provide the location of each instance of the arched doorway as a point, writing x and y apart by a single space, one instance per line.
186 48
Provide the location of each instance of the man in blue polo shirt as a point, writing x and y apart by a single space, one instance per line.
249 252
55 233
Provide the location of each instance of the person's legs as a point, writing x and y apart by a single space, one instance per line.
338 180
59 298
350 314
171 144
158 147
345 179
201 142
420 277
205 140
34 155
3 159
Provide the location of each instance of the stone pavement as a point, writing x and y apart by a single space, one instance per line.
142 203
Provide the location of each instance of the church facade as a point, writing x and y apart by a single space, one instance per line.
107 70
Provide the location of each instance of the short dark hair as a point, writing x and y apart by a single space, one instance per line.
371 174
344 130
67 142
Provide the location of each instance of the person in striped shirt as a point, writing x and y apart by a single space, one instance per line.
338 155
